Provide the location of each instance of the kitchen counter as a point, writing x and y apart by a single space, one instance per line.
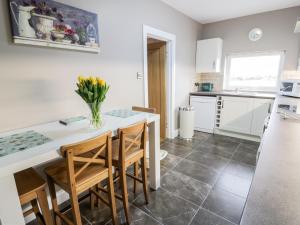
235 94
274 197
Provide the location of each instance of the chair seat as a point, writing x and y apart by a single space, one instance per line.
28 182
133 153
92 174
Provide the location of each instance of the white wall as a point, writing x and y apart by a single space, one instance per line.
278 27
37 84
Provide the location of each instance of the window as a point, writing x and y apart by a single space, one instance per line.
253 72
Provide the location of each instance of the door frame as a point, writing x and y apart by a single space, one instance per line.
170 39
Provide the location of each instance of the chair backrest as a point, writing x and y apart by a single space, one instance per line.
86 153
142 109
132 137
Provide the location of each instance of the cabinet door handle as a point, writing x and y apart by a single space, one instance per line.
222 104
270 106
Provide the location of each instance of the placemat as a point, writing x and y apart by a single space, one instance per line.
122 113
21 141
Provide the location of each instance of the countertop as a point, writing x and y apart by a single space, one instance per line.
274 197
235 94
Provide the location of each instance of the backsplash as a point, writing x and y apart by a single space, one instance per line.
291 74
215 78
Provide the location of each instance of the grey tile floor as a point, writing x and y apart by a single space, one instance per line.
204 182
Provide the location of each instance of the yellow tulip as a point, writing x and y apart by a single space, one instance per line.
80 78
102 82
94 81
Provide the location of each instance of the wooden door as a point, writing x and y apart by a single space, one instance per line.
157 81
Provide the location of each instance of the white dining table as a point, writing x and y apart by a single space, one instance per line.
10 208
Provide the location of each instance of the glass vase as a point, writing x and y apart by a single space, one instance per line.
95 115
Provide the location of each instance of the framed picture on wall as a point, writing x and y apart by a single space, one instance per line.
52 24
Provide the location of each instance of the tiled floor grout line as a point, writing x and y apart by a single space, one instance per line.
179 197
172 169
212 186
149 215
89 222
200 206
218 215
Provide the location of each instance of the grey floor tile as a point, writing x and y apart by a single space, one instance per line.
225 204
137 217
240 169
163 170
200 136
204 217
223 141
175 149
197 171
167 208
251 148
185 187
253 143
208 159
99 216
226 152
224 138
170 161
185 143
245 154
234 184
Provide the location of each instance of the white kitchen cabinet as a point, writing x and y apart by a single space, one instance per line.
205 113
236 114
261 109
244 115
209 54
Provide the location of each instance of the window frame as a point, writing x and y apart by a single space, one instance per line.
227 66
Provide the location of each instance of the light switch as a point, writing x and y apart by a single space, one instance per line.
139 76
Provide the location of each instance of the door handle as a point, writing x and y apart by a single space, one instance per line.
214 65
222 104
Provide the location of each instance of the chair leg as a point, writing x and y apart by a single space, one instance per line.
124 193
136 174
75 208
111 198
57 220
144 176
43 202
37 213
92 198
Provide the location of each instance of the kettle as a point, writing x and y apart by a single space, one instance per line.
24 16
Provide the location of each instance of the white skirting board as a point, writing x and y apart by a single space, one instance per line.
237 135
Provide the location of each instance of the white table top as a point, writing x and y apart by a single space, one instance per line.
61 135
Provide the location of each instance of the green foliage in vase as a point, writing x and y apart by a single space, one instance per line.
93 91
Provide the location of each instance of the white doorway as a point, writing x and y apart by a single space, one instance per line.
170 39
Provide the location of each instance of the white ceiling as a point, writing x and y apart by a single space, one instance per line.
207 11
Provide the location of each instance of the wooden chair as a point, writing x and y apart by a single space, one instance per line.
82 170
129 149
142 109
136 165
31 189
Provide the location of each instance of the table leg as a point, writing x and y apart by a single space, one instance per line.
154 151
10 208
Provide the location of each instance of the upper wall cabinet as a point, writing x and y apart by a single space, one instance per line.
209 54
